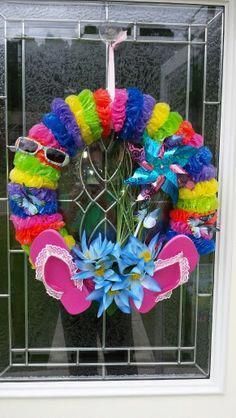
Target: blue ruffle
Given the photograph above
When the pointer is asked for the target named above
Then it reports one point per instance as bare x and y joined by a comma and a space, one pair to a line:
51, 121
197, 161
48, 209
204, 246
134, 109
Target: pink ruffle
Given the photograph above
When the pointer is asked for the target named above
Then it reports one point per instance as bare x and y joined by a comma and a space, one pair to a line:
180, 227
42, 134
33, 221
118, 109
196, 141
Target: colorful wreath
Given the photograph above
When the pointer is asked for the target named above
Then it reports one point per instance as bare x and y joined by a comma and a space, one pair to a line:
159, 252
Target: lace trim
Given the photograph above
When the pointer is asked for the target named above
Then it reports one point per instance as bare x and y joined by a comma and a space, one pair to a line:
164, 296
64, 255
184, 272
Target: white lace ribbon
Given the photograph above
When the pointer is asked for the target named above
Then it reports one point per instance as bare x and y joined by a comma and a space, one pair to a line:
184, 272
41, 260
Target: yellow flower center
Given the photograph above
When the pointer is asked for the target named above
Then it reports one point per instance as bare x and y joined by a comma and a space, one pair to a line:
100, 271
87, 254
146, 255
135, 276
113, 292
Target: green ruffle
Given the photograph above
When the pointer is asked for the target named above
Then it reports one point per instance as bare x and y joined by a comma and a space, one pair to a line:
32, 165
26, 249
90, 113
170, 127
63, 232
200, 205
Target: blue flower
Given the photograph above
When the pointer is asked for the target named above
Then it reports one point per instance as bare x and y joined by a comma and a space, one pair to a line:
97, 250
118, 276
136, 253
96, 259
118, 292
138, 280
137, 265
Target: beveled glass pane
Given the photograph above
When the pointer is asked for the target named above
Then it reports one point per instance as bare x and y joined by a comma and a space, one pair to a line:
214, 59
4, 247
157, 69
204, 333
162, 33
212, 129
196, 86
2, 58
58, 68
18, 300
165, 13
3, 170
4, 336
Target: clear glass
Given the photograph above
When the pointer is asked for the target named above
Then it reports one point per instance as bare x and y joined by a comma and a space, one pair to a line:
173, 52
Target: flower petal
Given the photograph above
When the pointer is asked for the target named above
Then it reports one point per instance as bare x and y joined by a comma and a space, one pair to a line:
82, 275
107, 300
137, 291
84, 243
121, 306
150, 284
95, 295
100, 310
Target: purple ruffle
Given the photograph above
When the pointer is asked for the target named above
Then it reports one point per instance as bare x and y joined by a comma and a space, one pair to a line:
208, 172
173, 141
148, 105
43, 194
63, 112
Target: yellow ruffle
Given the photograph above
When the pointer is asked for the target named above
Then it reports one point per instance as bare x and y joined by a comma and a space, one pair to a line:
69, 240
204, 188
29, 180
77, 109
159, 116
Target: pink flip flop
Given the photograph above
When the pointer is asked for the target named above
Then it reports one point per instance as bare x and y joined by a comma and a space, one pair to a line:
55, 267
176, 260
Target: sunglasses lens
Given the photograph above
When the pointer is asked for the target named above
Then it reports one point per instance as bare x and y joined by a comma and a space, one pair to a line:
27, 146
55, 156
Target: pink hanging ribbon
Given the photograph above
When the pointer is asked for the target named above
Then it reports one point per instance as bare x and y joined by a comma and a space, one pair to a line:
122, 36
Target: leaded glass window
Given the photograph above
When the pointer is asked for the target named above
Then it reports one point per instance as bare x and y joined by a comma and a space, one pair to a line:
173, 52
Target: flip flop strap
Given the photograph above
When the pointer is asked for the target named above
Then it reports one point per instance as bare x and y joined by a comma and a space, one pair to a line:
184, 272
41, 260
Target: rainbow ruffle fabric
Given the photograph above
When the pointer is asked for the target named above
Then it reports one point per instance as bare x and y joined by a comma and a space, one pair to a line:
79, 121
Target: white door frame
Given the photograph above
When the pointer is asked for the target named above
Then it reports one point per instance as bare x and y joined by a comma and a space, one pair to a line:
224, 272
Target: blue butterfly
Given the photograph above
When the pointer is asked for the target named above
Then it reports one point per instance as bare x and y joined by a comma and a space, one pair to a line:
28, 202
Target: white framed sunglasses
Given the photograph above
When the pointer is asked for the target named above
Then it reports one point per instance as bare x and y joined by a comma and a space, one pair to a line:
52, 155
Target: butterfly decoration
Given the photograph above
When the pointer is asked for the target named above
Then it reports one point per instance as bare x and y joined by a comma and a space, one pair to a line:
151, 218
201, 227
30, 203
